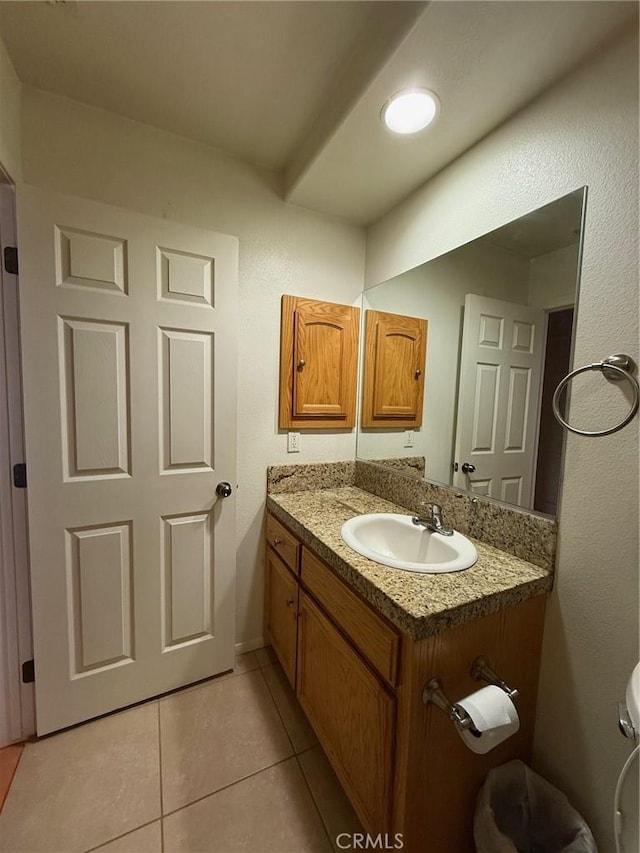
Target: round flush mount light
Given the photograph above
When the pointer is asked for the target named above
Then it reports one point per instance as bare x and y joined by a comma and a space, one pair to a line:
410, 110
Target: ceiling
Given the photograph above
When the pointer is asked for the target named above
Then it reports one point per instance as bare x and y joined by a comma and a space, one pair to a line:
298, 86
246, 77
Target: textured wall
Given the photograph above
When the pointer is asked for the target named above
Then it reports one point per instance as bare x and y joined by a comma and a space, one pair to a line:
77, 149
583, 131
9, 117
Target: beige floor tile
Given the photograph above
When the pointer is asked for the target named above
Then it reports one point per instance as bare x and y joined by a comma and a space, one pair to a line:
246, 662
217, 735
147, 839
293, 717
334, 807
266, 656
242, 663
270, 812
9, 759
81, 788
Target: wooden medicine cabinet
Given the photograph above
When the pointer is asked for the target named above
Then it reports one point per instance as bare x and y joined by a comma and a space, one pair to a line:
394, 370
318, 364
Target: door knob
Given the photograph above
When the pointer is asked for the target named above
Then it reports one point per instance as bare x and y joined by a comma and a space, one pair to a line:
468, 468
223, 490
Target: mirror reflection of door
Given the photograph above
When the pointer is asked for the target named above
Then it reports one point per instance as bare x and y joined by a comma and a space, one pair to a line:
530, 264
507, 446
500, 377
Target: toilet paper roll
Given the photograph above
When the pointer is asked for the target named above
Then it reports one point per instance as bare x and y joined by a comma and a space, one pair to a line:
494, 715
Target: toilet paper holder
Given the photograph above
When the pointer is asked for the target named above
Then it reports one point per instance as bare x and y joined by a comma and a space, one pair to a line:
434, 694
481, 670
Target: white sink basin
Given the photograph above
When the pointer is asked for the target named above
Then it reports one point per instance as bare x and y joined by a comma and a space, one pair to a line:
394, 540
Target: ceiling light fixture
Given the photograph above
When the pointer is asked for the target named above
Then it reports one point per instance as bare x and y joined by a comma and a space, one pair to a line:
410, 110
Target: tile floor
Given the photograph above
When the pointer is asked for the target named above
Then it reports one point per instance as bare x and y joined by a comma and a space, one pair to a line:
228, 765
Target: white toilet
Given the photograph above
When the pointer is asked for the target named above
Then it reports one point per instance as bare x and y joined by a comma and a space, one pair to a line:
626, 797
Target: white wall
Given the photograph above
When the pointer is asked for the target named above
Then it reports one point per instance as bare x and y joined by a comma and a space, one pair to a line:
583, 131
436, 292
9, 117
77, 149
552, 278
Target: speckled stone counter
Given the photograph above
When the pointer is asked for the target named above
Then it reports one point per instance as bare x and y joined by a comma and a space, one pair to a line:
420, 605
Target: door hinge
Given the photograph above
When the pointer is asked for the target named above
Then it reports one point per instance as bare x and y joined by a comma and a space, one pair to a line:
11, 260
20, 475
28, 672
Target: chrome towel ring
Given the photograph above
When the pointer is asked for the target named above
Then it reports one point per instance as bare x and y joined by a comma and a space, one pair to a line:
615, 367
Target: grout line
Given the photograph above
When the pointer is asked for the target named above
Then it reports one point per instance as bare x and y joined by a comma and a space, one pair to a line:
124, 835
269, 661
218, 678
284, 725
297, 755
315, 802
230, 785
161, 782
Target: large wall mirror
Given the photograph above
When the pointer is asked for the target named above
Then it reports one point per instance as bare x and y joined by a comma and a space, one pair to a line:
497, 318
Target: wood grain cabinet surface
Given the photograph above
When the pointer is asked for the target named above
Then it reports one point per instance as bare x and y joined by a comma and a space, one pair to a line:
281, 613
351, 712
318, 364
394, 370
360, 681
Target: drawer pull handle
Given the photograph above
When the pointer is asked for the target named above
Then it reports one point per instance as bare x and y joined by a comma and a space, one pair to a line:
277, 542
290, 602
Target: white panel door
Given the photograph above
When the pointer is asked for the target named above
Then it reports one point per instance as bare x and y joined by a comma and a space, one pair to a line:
129, 329
497, 420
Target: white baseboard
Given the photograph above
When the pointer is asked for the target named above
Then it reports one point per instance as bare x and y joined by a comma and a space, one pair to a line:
250, 645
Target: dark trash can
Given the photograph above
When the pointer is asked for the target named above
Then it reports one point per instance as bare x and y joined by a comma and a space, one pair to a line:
520, 812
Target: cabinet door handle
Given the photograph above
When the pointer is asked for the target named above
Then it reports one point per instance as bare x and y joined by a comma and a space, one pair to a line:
290, 602
418, 373
302, 363
277, 542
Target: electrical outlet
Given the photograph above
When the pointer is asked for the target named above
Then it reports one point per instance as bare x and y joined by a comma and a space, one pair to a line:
408, 438
293, 442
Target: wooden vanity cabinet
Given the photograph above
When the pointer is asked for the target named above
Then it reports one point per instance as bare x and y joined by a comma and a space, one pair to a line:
394, 370
318, 364
281, 613
359, 680
351, 712
284, 543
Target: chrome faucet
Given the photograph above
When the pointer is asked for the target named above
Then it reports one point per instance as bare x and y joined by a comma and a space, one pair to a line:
433, 520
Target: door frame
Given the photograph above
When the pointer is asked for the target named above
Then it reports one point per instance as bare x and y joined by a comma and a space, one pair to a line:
17, 700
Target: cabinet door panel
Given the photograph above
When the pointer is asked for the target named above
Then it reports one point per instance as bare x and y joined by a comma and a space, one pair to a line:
281, 613
394, 370
352, 713
318, 363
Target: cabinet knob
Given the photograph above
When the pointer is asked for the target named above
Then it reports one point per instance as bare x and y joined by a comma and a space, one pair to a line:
418, 373
290, 602
301, 364
277, 542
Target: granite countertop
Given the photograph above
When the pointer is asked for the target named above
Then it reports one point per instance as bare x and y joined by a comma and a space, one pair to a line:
419, 604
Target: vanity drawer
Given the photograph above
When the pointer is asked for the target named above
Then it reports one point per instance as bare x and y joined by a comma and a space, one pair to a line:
284, 543
372, 636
